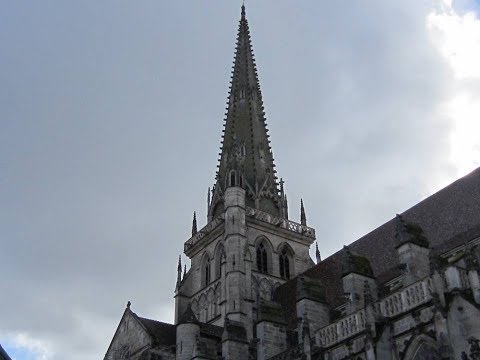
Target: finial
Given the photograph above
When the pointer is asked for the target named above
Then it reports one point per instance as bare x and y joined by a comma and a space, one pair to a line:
303, 218
128, 304
179, 271
184, 270
317, 253
194, 224
208, 197
243, 10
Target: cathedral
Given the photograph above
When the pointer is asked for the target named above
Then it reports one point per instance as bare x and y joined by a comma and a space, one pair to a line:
409, 289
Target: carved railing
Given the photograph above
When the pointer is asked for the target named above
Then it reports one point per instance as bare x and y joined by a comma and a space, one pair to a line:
399, 302
258, 215
342, 329
406, 298
203, 232
281, 222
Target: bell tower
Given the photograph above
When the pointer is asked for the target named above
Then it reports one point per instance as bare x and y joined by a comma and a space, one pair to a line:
248, 247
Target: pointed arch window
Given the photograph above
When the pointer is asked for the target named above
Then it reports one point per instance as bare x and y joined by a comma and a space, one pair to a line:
262, 259
207, 272
284, 264
219, 255
233, 176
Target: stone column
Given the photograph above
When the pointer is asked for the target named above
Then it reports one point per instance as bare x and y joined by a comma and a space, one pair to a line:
235, 244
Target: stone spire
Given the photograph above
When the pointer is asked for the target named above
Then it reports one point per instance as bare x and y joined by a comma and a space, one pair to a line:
179, 271
194, 224
303, 217
317, 253
246, 158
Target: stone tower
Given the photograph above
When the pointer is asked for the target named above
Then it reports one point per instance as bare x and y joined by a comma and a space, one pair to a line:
409, 289
248, 247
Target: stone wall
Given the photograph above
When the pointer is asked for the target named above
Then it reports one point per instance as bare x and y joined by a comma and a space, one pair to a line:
272, 339
130, 339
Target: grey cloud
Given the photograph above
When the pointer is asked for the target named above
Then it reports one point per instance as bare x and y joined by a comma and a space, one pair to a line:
110, 128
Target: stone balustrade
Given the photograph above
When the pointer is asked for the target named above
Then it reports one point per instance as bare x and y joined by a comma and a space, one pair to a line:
203, 232
399, 302
258, 215
406, 299
281, 222
341, 329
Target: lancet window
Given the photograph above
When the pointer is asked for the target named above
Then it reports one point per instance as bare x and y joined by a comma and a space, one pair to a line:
284, 262
233, 179
207, 272
262, 259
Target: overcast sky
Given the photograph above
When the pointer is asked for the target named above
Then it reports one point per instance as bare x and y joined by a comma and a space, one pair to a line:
110, 121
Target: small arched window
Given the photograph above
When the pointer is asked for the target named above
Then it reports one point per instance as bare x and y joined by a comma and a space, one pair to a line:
243, 150
207, 272
284, 264
219, 254
232, 178
262, 262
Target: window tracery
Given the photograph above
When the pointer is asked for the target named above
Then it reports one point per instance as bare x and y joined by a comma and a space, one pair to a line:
207, 271
262, 259
284, 262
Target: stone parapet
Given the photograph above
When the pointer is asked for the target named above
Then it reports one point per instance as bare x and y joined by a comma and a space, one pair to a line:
281, 222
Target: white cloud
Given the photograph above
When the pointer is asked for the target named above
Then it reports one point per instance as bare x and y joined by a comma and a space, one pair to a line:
27, 344
457, 38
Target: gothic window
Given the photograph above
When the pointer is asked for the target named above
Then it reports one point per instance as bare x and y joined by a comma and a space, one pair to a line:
219, 253
426, 352
284, 264
262, 263
232, 178
206, 271
422, 348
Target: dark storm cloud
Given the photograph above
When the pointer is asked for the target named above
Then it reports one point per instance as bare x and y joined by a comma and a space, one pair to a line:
110, 125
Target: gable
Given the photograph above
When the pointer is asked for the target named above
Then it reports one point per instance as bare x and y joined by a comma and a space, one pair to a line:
130, 338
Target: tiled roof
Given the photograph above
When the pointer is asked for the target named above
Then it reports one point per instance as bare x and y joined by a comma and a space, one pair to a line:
162, 333
447, 218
